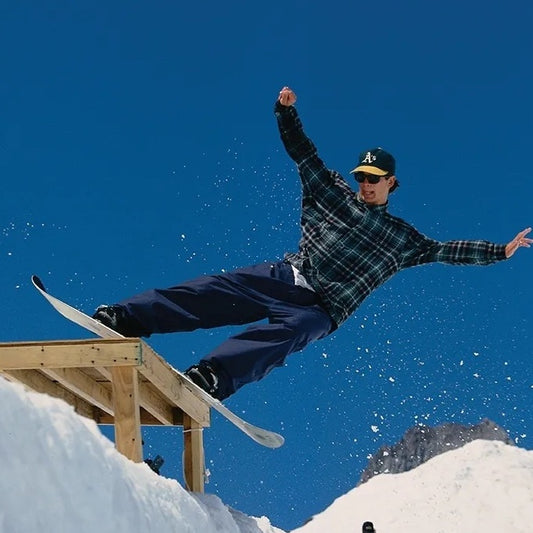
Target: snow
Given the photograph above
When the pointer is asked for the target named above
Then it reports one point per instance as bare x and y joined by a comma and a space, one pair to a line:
61, 474
485, 486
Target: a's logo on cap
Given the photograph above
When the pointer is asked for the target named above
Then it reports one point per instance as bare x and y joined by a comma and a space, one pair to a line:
369, 158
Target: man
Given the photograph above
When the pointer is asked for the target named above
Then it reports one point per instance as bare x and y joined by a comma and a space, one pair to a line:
350, 245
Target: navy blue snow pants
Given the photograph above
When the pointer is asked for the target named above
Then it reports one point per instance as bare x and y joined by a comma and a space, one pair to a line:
294, 316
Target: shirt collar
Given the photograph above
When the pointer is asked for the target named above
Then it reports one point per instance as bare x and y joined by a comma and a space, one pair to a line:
379, 208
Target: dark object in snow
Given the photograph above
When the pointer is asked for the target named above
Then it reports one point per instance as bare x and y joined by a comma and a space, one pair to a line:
155, 464
368, 527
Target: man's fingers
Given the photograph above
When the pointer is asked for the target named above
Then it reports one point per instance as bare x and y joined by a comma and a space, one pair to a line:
518, 241
522, 240
287, 96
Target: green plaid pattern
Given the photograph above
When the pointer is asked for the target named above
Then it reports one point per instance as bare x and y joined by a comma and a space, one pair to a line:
349, 248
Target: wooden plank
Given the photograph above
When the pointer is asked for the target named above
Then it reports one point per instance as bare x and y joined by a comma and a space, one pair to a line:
71, 354
34, 380
156, 406
193, 454
147, 419
169, 383
83, 386
128, 439
150, 401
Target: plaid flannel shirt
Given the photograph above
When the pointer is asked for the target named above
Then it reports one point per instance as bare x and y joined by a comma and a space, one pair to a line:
349, 248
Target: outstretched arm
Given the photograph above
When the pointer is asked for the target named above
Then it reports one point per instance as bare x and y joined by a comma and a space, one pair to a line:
426, 250
517, 242
320, 185
313, 172
298, 145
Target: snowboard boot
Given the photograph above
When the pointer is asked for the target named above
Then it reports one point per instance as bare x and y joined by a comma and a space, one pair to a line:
116, 318
203, 375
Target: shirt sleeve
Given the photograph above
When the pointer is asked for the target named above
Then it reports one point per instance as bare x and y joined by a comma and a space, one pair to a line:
301, 149
470, 252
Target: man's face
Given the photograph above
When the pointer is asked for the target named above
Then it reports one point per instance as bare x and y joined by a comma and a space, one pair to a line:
378, 193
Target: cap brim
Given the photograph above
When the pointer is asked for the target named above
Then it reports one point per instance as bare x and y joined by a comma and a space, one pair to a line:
369, 170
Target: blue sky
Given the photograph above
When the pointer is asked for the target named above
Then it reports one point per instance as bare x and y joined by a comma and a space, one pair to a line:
138, 148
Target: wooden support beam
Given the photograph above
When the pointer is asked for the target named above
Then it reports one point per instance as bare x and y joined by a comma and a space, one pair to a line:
168, 382
71, 354
83, 386
147, 419
128, 439
150, 401
34, 380
193, 457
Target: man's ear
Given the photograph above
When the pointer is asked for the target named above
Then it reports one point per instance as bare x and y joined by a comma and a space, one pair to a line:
391, 181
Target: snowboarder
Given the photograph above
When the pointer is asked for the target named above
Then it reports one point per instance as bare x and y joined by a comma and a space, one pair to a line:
350, 245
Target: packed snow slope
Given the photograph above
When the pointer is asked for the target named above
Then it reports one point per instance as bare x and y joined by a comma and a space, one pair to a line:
60, 474
485, 486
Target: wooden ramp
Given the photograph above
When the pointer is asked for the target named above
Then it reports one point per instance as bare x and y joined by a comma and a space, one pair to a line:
115, 381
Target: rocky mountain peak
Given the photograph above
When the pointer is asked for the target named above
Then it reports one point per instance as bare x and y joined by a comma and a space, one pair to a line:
421, 443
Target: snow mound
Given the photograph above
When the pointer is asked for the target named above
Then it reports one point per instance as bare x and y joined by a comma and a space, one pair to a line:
485, 486
61, 474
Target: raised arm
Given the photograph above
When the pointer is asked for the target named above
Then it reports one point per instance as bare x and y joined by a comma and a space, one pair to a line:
299, 147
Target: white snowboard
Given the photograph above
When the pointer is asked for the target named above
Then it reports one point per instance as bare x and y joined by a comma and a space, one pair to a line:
259, 435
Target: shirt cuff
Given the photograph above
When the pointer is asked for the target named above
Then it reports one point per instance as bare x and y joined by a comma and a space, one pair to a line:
280, 108
499, 252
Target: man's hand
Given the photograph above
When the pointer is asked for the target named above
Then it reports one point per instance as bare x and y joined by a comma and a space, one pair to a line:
517, 242
287, 97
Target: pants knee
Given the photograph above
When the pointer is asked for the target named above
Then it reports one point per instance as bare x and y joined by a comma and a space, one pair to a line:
309, 327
